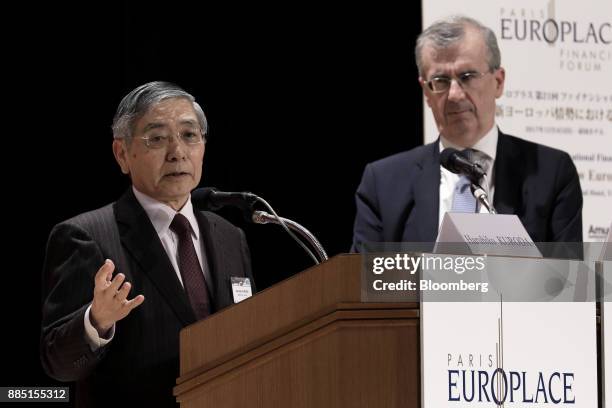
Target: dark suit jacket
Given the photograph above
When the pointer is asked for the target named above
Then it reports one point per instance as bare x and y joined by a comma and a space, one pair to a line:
140, 365
398, 198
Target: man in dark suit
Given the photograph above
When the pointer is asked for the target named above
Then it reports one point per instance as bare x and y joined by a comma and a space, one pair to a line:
403, 197
177, 261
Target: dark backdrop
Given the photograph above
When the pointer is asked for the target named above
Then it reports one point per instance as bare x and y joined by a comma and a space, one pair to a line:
298, 101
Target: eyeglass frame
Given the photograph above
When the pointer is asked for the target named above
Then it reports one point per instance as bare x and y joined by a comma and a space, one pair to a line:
472, 74
147, 141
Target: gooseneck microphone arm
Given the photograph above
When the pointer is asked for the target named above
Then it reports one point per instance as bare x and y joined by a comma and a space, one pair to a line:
482, 196
262, 217
282, 223
212, 199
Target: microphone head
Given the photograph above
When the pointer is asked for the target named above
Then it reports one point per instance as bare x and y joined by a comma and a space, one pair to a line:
211, 199
457, 162
201, 198
448, 158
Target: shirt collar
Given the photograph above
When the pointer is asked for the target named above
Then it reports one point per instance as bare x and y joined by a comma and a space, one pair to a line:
487, 144
161, 215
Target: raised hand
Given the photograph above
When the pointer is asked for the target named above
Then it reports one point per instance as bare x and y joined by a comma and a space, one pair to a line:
110, 303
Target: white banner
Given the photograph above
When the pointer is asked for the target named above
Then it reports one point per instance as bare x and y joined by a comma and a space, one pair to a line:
519, 354
558, 91
528, 339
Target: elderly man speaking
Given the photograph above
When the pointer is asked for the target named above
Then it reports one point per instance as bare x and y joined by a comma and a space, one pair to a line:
120, 282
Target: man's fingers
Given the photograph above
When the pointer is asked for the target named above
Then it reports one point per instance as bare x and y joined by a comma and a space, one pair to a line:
116, 283
110, 302
137, 301
123, 292
104, 274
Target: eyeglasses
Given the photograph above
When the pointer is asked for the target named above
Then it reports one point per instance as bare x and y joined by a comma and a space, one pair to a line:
189, 138
466, 80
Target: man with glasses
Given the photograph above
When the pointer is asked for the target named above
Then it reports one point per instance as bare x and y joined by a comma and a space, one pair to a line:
120, 282
404, 197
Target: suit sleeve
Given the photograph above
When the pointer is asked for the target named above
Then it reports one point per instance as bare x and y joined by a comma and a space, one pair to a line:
72, 259
566, 219
368, 223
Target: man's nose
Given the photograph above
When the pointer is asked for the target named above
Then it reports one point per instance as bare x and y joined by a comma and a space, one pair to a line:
176, 149
455, 92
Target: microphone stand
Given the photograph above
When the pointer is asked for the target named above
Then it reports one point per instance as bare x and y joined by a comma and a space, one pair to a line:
262, 217
481, 195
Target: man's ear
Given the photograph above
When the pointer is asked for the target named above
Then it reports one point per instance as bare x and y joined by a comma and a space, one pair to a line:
500, 79
121, 154
425, 91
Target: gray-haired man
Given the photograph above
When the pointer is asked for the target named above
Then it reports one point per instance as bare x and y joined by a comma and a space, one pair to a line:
404, 197
121, 281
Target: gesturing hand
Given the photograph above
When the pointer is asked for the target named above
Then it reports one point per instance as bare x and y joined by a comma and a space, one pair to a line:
110, 303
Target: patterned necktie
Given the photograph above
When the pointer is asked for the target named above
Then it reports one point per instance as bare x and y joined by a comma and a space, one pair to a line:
189, 266
463, 199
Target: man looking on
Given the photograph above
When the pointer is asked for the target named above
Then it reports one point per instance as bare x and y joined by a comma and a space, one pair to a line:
404, 197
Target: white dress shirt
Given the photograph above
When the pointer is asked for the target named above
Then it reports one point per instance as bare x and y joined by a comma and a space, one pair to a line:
448, 180
161, 216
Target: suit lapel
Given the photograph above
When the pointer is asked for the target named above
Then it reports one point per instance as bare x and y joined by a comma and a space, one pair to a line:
142, 243
215, 255
508, 177
427, 194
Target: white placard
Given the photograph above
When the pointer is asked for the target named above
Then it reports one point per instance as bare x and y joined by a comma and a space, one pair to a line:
558, 92
519, 353
493, 234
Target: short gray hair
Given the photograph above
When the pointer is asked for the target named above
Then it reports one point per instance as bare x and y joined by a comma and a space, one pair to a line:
446, 32
140, 100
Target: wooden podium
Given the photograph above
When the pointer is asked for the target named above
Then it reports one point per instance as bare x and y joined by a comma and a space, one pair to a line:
308, 341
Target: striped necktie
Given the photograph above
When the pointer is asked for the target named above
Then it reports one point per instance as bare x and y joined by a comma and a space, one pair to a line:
463, 199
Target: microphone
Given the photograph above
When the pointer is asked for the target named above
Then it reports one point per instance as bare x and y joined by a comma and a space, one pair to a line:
209, 198
455, 161
212, 199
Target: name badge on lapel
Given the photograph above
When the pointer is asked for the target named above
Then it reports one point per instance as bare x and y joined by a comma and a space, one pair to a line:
241, 288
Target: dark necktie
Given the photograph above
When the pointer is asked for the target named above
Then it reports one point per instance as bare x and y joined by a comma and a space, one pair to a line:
189, 266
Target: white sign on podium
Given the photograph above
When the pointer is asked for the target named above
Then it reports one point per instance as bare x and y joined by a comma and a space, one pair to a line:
511, 353
530, 340
493, 234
